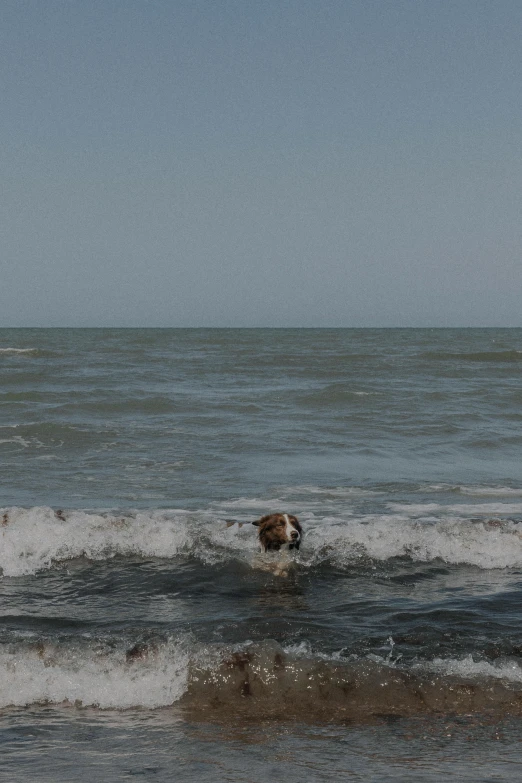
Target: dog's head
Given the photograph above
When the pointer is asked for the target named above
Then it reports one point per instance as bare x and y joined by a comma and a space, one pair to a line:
279, 530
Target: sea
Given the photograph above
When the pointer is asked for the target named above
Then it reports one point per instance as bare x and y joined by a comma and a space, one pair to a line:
143, 636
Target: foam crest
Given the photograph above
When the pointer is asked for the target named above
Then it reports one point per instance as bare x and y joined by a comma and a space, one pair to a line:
256, 680
33, 539
55, 674
36, 538
458, 509
508, 670
24, 442
487, 544
491, 491
18, 350
467, 667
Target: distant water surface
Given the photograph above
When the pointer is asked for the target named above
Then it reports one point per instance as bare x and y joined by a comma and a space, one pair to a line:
142, 636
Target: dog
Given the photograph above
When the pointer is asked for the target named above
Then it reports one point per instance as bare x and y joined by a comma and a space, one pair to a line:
279, 532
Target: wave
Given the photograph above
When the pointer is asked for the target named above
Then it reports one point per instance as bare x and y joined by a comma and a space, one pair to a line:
253, 680
335, 393
265, 681
18, 440
486, 543
476, 491
332, 492
50, 434
462, 509
507, 670
36, 538
33, 539
18, 350
100, 675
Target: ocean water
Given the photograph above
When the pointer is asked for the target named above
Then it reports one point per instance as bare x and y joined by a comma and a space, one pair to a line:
143, 636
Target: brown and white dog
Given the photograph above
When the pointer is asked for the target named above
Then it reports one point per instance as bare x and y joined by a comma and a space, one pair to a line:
279, 531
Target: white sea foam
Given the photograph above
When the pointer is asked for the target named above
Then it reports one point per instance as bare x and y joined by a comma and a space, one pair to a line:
305, 649
465, 668
469, 668
335, 492
18, 350
25, 442
461, 509
92, 677
381, 537
492, 491
92, 673
476, 491
33, 539
248, 504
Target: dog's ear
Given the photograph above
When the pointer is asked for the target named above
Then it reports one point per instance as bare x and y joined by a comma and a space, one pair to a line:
259, 522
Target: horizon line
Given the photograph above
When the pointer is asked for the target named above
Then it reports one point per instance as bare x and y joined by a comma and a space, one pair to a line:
264, 328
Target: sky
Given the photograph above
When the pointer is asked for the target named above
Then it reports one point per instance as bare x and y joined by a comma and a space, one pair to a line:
285, 163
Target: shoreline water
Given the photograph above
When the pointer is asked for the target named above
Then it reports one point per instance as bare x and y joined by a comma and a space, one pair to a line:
393, 648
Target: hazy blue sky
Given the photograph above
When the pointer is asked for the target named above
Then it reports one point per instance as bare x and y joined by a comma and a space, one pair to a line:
274, 163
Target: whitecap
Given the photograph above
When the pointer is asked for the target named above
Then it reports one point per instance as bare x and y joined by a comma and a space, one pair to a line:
36, 538
468, 667
55, 674
487, 544
460, 509
18, 350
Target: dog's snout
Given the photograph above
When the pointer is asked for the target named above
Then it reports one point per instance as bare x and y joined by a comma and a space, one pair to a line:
294, 534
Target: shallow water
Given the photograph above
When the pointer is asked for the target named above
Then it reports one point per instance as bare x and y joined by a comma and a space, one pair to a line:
144, 633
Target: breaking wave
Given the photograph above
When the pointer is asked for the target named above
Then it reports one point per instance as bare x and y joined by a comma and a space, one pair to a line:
36, 538
96, 675
261, 680
264, 680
